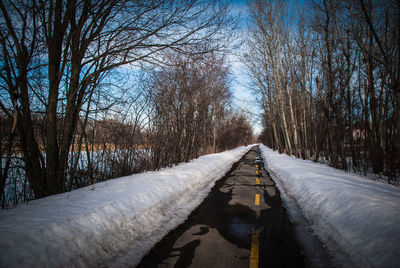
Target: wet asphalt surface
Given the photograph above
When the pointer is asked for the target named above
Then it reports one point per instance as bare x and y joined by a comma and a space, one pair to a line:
219, 232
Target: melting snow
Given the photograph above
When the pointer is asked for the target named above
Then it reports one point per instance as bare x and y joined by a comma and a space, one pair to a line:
356, 218
97, 224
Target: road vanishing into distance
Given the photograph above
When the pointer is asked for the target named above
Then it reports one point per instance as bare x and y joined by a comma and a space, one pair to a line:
241, 223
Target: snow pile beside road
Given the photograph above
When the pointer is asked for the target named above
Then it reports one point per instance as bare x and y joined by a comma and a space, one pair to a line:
94, 225
356, 216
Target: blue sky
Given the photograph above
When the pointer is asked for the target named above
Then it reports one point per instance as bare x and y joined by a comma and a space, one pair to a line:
243, 97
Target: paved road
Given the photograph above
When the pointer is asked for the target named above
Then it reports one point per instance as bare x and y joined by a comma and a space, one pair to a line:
240, 224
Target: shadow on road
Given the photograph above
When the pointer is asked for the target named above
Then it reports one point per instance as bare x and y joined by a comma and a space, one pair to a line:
234, 223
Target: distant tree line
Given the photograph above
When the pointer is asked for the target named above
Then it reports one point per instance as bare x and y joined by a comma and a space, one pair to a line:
191, 115
93, 90
327, 77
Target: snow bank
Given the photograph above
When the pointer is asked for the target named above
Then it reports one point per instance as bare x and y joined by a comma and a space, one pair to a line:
94, 225
358, 219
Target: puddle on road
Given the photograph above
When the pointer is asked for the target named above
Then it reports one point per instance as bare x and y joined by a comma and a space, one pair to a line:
241, 229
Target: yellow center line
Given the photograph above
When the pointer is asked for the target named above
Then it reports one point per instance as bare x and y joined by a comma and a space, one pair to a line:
257, 181
257, 171
254, 250
257, 200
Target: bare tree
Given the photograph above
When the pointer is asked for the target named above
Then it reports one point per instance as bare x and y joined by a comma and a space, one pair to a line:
72, 46
189, 100
269, 67
375, 28
234, 131
329, 84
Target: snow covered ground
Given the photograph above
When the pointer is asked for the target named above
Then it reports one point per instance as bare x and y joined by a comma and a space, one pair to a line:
356, 218
97, 224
